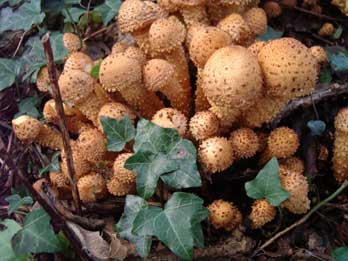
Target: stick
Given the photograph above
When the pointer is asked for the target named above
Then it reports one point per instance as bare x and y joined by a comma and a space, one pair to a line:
52, 72
303, 219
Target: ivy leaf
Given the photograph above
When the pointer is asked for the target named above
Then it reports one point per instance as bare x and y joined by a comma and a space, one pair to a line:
174, 225
270, 34
15, 201
27, 15
28, 106
325, 76
11, 2
267, 185
54, 165
338, 33
124, 226
8, 68
73, 13
317, 127
118, 132
108, 10
38, 231
95, 70
162, 153
338, 58
12, 227
340, 254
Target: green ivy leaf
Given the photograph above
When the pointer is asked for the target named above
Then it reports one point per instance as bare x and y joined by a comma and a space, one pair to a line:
108, 10
23, 18
340, 254
54, 165
16, 201
11, 2
338, 33
8, 71
73, 13
270, 34
267, 185
12, 227
176, 225
95, 70
338, 58
38, 231
317, 127
28, 106
162, 153
325, 76
118, 132
124, 226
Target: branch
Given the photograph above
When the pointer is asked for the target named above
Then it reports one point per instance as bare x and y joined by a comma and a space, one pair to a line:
52, 72
303, 219
305, 102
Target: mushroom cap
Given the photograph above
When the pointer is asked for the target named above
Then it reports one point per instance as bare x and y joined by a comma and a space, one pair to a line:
171, 118
205, 41
43, 80
191, 30
61, 185
49, 111
168, 5
135, 53
232, 77
283, 142
119, 72
293, 164
255, 47
166, 34
216, 154
92, 144
72, 42
297, 185
135, 15
119, 47
91, 187
319, 53
81, 165
204, 125
75, 86
237, 28
256, 18
158, 74
116, 111
327, 30
289, 68
245, 143
79, 61
26, 128
223, 214
272, 9
119, 189
341, 120
120, 172
189, 3
261, 213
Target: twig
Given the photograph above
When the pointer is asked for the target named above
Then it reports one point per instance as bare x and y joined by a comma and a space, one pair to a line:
52, 72
102, 30
19, 44
305, 102
303, 219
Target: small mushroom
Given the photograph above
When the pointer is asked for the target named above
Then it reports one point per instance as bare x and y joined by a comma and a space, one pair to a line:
91, 187
327, 30
43, 80
72, 42
256, 18
245, 143
272, 9
61, 185
91, 140
319, 53
293, 164
204, 125
283, 142
255, 47
81, 165
340, 155
171, 118
261, 213
192, 11
79, 61
223, 214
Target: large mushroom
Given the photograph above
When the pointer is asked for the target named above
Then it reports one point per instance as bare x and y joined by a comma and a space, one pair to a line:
193, 11
340, 156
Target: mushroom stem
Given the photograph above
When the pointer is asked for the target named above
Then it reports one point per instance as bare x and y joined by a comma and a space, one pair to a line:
106, 97
90, 108
142, 39
201, 101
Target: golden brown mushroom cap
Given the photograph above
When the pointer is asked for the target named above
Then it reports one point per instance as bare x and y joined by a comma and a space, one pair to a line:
188, 3
256, 47
61, 185
341, 120
120, 172
319, 53
223, 214
81, 165
327, 30
293, 164
119, 72
261, 213
166, 34
157, 74
75, 86
91, 187
204, 125
245, 143
340, 164
168, 5
43, 80
135, 53
119, 47
205, 41
26, 128
171, 118
92, 144
116, 111
272, 9
216, 154
119, 189
79, 61
135, 15
72, 42
289, 68
283, 142
256, 18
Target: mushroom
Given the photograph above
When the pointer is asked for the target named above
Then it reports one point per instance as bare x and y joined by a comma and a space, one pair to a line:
340, 154
255, 47
283, 142
81, 165
91, 187
256, 18
135, 17
61, 185
327, 30
135, 53
319, 53
29, 129
106, 97
261, 213
72, 42
216, 154
192, 11
123, 180
171, 118
43, 80
232, 82
293, 164
297, 186
76, 88
79, 61
168, 5
237, 28
116, 111
159, 75
91, 140
342, 5
223, 214
204, 125
123, 74
272, 9
245, 143
119, 47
